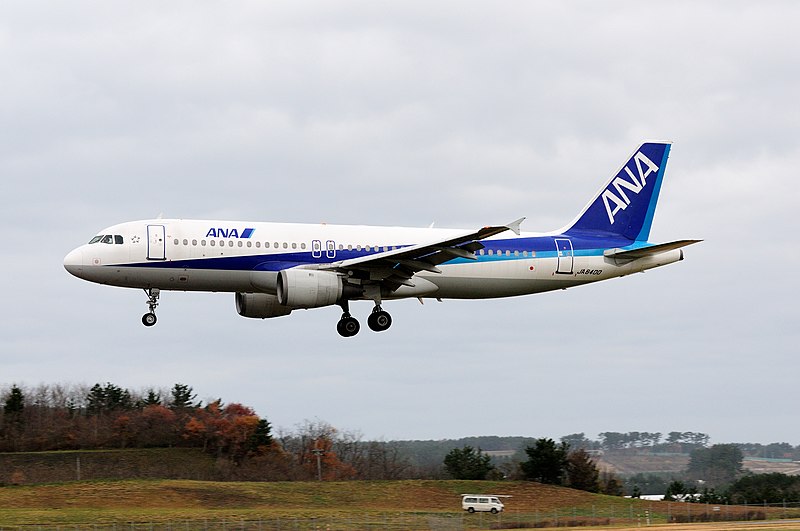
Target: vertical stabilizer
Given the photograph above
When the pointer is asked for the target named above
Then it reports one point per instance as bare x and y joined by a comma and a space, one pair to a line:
626, 204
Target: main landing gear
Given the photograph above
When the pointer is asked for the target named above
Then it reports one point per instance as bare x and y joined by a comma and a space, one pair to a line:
149, 319
348, 326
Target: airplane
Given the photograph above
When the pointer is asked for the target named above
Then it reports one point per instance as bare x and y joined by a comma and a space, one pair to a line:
276, 268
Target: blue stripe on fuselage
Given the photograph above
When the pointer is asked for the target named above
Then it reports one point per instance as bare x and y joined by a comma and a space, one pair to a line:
584, 243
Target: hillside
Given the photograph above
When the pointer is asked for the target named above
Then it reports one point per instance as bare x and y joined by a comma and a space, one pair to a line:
338, 504
628, 463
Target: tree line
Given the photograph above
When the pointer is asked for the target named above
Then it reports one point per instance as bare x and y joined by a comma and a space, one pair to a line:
673, 442
547, 462
107, 416
715, 475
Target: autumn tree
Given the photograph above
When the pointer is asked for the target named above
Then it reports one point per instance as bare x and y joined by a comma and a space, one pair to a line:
467, 463
314, 438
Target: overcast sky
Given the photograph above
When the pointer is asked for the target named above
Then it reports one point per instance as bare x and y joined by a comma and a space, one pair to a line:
407, 113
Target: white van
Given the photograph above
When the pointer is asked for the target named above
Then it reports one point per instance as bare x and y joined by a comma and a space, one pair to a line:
481, 502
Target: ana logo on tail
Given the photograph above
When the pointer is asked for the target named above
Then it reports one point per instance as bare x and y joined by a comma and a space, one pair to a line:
620, 200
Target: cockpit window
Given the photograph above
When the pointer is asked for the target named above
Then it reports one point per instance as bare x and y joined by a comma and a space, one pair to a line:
96, 239
107, 239
117, 239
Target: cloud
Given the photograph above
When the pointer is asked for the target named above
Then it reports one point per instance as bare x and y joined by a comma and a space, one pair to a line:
459, 113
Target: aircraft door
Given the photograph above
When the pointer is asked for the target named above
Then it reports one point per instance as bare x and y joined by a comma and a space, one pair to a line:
156, 242
565, 256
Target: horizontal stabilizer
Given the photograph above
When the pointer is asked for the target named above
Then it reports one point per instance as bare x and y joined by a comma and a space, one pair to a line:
633, 254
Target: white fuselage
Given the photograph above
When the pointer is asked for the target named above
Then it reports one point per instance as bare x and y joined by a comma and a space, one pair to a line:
224, 256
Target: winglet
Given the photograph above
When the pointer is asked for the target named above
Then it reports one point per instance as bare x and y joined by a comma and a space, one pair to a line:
514, 225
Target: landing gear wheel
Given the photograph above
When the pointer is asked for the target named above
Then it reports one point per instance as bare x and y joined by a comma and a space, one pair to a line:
149, 319
379, 321
348, 326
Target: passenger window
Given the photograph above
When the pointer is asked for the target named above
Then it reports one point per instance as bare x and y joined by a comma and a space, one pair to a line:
176, 241
258, 244
294, 246
203, 243
185, 241
240, 243
194, 243
303, 246
285, 245
118, 239
249, 244
212, 242
230, 243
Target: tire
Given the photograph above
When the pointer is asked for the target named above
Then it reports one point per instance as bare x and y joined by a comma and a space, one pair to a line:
348, 326
379, 321
494, 510
471, 510
149, 319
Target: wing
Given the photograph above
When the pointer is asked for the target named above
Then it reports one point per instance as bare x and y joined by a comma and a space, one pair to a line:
395, 268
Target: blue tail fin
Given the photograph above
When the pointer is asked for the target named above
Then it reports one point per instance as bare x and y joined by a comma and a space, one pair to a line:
626, 204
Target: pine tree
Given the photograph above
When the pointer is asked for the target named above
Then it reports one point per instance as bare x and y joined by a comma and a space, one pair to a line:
183, 397
547, 462
467, 463
582, 473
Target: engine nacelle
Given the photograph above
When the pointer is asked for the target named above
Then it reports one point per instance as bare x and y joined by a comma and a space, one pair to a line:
260, 306
308, 288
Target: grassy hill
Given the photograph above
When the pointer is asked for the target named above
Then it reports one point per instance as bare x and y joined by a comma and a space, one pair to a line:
115, 502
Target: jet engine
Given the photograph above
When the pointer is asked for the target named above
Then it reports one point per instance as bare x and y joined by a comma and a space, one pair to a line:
308, 288
260, 306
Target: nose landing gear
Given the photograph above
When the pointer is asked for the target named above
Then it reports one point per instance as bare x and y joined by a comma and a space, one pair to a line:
149, 319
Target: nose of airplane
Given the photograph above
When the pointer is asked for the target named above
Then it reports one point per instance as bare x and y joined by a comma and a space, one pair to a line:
73, 262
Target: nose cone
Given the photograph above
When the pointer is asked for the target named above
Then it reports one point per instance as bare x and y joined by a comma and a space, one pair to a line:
73, 262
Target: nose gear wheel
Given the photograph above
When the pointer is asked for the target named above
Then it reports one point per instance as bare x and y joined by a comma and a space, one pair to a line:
149, 319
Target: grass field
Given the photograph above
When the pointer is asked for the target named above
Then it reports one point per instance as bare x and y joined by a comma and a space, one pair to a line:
163, 501
340, 505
